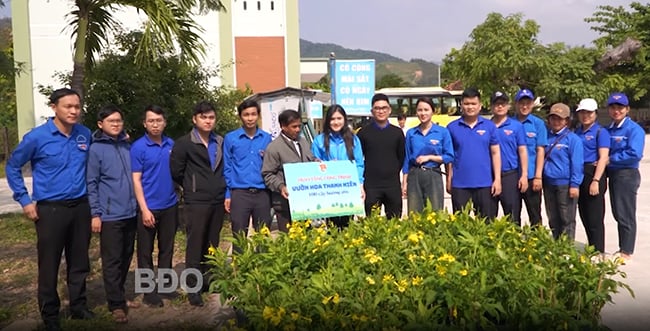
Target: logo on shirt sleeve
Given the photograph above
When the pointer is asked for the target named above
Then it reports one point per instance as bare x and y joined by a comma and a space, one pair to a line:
531, 134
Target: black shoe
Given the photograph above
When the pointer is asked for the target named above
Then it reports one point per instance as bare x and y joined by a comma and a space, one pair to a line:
195, 299
152, 300
52, 325
83, 314
169, 296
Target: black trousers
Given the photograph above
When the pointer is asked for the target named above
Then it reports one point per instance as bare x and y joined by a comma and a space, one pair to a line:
592, 208
165, 229
204, 223
63, 226
533, 201
340, 221
246, 204
117, 242
484, 202
390, 197
510, 197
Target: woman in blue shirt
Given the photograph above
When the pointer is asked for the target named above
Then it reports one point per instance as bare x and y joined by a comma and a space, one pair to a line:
338, 142
428, 146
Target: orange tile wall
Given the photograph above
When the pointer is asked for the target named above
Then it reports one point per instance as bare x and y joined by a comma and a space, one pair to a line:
260, 63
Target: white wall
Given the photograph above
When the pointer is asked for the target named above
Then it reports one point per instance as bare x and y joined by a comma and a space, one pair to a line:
265, 22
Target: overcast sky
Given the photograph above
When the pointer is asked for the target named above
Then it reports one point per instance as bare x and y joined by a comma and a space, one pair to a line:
428, 29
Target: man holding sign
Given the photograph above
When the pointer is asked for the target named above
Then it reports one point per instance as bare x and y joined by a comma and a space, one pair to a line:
288, 147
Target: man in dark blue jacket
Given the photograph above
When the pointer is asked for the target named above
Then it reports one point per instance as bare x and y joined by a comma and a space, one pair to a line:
112, 205
196, 165
57, 151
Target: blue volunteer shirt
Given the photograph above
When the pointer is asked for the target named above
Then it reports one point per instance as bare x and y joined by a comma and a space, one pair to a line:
243, 157
627, 143
338, 151
510, 135
58, 164
472, 164
212, 147
565, 164
152, 160
536, 136
437, 141
593, 138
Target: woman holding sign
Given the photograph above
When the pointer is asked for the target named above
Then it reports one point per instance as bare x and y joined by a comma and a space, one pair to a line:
338, 142
428, 146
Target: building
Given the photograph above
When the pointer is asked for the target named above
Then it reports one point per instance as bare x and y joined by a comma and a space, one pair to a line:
254, 44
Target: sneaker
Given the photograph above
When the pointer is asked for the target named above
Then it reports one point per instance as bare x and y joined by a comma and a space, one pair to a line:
152, 300
195, 299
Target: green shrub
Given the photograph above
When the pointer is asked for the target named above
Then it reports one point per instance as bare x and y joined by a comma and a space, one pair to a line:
434, 270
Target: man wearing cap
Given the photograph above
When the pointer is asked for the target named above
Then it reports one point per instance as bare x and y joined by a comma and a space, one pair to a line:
514, 157
474, 139
563, 163
536, 140
591, 202
626, 151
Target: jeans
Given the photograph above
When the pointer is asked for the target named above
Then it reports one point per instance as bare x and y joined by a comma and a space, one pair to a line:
561, 210
623, 188
424, 185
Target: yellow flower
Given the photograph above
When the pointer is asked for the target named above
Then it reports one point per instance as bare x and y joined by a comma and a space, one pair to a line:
295, 316
447, 257
583, 259
401, 285
412, 257
336, 299
417, 280
452, 217
441, 270
357, 242
374, 259
265, 231
413, 237
211, 250
387, 278
463, 272
326, 300
454, 312
267, 313
370, 280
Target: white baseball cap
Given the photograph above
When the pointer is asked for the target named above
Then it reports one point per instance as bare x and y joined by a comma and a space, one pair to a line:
588, 104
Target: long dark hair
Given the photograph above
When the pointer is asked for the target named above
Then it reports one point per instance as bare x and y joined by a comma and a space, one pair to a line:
346, 133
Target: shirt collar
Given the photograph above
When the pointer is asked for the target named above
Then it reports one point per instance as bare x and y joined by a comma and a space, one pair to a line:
197, 138
54, 129
242, 132
164, 140
379, 126
611, 126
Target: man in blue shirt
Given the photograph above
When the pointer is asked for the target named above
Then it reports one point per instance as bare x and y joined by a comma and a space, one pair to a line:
536, 136
514, 157
59, 207
154, 190
243, 155
626, 151
196, 165
476, 169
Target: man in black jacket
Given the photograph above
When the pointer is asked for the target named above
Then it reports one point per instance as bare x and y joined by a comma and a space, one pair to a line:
196, 165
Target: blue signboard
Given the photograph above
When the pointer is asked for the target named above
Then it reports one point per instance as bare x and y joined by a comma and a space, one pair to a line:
353, 85
323, 189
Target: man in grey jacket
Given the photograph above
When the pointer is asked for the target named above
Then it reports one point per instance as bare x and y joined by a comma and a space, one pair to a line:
288, 147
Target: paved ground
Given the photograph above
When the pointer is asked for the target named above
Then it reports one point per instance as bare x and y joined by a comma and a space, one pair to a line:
626, 313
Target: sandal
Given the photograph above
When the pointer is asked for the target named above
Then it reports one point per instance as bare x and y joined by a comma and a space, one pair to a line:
119, 316
132, 304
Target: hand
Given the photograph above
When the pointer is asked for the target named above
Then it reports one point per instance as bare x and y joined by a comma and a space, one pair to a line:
226, 205
537, 184
594, 188
363, 193
421, 159
496, 188
148, 220
523, 184
96, 224
284, 192
30, 212
448, 186
574, 192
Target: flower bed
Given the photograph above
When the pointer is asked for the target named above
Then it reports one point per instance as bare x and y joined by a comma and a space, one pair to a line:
434, 270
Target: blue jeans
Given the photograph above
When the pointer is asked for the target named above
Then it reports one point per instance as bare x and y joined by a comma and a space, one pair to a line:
560, 210
623, 188
424, 185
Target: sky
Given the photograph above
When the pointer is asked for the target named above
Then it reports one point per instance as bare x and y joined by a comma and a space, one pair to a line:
429, 29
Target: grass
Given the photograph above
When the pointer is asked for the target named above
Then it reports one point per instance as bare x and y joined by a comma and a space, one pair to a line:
18, 284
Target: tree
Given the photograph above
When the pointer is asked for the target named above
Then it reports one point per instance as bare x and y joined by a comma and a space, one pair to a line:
169, 24
8, 70
390, 80
168, 82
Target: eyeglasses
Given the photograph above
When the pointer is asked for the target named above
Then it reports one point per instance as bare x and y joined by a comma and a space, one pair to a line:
382, 108
114, 121
155, 121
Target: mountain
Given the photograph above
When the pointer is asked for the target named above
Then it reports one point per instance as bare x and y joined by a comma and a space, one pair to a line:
416, 72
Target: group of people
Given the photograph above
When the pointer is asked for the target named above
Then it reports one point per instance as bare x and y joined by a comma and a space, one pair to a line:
100, 182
